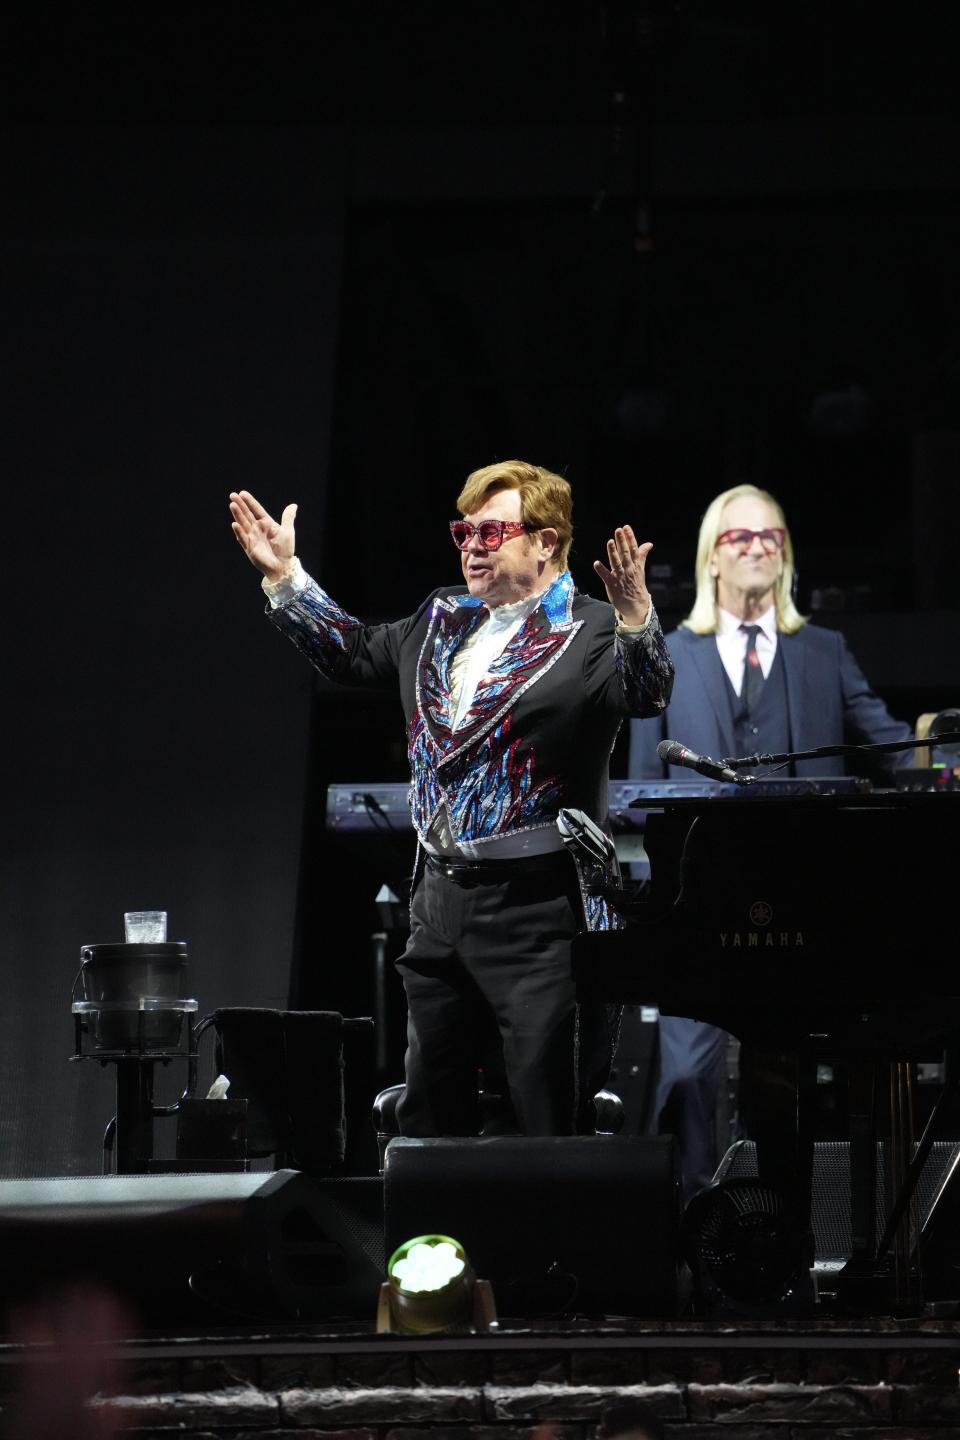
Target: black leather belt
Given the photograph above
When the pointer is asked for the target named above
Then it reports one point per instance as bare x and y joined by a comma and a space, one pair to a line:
474, 872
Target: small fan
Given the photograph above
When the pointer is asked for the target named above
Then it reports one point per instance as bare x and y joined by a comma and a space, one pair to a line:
746, 1249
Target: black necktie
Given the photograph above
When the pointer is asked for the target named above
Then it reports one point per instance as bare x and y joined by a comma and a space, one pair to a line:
752, 674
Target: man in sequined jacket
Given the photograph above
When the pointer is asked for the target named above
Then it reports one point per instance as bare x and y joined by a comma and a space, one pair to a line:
514, 686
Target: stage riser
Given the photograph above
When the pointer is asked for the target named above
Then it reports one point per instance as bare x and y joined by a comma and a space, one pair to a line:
892, 1382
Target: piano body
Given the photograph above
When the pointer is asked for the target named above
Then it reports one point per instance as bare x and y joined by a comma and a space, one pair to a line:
818, 917
816, 923
796, 911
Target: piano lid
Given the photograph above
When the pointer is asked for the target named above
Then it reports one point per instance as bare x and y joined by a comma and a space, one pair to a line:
763, 916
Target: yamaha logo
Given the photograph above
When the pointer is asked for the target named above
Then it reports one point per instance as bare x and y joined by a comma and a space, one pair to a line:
760, 913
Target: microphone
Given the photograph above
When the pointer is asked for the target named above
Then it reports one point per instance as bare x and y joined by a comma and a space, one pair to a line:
671, 752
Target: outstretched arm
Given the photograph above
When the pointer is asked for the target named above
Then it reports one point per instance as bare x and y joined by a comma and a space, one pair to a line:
624, 578
339, 645
267, 544
641, 678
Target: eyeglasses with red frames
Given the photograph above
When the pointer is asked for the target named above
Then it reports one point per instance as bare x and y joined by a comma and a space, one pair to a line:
770, 540
490, 533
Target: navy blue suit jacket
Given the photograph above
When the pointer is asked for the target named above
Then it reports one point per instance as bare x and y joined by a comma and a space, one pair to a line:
829, 701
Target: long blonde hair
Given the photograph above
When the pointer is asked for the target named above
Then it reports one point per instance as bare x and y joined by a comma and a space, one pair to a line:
702, 619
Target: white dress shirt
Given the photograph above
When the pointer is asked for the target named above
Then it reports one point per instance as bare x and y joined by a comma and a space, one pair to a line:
732, 643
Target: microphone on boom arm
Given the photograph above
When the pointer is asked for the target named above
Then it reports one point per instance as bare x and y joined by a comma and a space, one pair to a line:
671, 752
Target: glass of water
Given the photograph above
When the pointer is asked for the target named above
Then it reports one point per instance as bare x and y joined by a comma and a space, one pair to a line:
145, 927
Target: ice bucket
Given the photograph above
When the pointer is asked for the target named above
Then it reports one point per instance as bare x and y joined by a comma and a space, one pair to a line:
132, 994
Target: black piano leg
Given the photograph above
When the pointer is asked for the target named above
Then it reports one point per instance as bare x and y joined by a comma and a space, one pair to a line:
880, 1279
863, 1162
860, 1284
806, 1102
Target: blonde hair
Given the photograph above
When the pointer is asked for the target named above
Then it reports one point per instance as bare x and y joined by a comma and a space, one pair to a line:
702, 619
545, 498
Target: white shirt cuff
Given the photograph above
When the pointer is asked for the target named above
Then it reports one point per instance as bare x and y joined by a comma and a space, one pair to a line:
624, 629
279, 592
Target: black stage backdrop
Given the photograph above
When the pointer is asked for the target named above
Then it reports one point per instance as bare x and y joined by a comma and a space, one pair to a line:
762, 331
169, 322
659, 247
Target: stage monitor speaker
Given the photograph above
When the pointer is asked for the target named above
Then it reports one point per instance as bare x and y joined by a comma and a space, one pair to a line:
830, 1196
198, 1248
565, 1225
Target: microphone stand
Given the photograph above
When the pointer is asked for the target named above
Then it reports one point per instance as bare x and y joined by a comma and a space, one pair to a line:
888, 747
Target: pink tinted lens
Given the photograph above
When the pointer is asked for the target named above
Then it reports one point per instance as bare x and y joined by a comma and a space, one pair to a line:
460, 531
490, 533
770, 540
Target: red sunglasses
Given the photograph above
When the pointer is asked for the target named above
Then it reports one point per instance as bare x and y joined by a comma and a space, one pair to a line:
490, 533
770, 540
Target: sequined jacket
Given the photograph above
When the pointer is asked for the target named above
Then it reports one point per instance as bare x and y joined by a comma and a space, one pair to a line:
538, 735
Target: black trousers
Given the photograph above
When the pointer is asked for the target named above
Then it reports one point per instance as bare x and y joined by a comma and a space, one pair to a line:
488, 983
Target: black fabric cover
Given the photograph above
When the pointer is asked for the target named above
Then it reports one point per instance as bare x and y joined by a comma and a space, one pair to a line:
289, 1065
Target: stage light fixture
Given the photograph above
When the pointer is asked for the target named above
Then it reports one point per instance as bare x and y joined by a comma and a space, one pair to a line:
430, 1286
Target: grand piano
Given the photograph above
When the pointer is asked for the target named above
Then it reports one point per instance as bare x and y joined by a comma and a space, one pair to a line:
815, 913
812, 923
813, 918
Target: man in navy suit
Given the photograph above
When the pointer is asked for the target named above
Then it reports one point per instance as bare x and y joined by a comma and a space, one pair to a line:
752, 677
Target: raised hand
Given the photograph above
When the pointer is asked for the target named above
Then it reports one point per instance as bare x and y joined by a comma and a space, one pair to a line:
625, 579
267, 545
